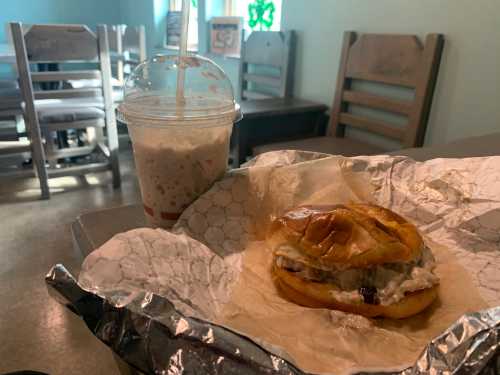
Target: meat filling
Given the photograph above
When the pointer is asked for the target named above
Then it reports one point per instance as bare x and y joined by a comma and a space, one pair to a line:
385, 284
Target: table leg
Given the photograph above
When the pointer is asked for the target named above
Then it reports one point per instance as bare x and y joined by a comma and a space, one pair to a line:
240, 144
321, 124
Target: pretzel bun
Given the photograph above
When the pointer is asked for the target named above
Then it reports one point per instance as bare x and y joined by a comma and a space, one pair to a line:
355, 235
357, 258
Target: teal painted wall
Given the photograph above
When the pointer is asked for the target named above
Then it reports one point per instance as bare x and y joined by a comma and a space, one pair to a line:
231, 67
140, 12
466, 100
89, 12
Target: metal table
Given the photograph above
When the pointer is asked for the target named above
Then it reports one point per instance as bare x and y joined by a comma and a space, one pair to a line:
91, 230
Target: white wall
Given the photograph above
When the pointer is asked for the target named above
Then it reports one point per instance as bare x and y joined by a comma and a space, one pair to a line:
466, 100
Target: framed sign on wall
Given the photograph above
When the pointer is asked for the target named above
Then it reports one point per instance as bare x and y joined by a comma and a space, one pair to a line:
226, 35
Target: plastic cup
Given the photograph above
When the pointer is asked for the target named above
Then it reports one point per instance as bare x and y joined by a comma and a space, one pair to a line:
176, 164
179, 150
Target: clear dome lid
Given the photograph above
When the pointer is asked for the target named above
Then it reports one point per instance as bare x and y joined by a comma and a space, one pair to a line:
150, 92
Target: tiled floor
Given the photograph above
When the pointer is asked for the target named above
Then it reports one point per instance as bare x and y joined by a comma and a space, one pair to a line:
37, 333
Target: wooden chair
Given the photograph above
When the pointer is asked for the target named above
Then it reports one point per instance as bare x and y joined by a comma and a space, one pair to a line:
134, 48
394, 60
14, 148
115, 37
266, 75
11, 116
127, 45
266, 65
47, 111
11, 110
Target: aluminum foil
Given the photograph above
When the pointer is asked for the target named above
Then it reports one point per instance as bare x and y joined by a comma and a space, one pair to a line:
153, 337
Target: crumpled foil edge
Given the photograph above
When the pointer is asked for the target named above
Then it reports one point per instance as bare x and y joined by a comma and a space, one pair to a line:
151, 336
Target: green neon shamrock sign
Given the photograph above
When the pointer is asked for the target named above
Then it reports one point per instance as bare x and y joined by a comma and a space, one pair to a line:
195, 3
261, 13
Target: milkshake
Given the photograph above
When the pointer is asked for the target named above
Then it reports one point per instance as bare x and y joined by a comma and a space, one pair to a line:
179, 152
175, 169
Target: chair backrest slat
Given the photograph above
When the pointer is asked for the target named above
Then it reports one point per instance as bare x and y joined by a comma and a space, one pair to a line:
373, 126
69, 93
267, 60
403, 107
263, 79
73, 75
396, 60
256, 95
58, 43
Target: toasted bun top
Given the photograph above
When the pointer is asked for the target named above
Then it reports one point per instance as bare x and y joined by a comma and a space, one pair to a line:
353, 235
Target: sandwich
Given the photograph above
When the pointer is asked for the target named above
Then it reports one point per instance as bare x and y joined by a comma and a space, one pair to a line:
358, 258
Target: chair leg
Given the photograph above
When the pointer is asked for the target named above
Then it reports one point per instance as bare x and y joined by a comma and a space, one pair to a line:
112, 135
115, 169
38, 156
18, 119
112, 143
107, 90
41, 172
50, 148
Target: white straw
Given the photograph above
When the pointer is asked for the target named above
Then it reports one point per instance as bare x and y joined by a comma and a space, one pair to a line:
181, 73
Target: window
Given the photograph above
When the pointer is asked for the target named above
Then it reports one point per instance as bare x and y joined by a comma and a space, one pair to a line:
176, 5
257, 14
